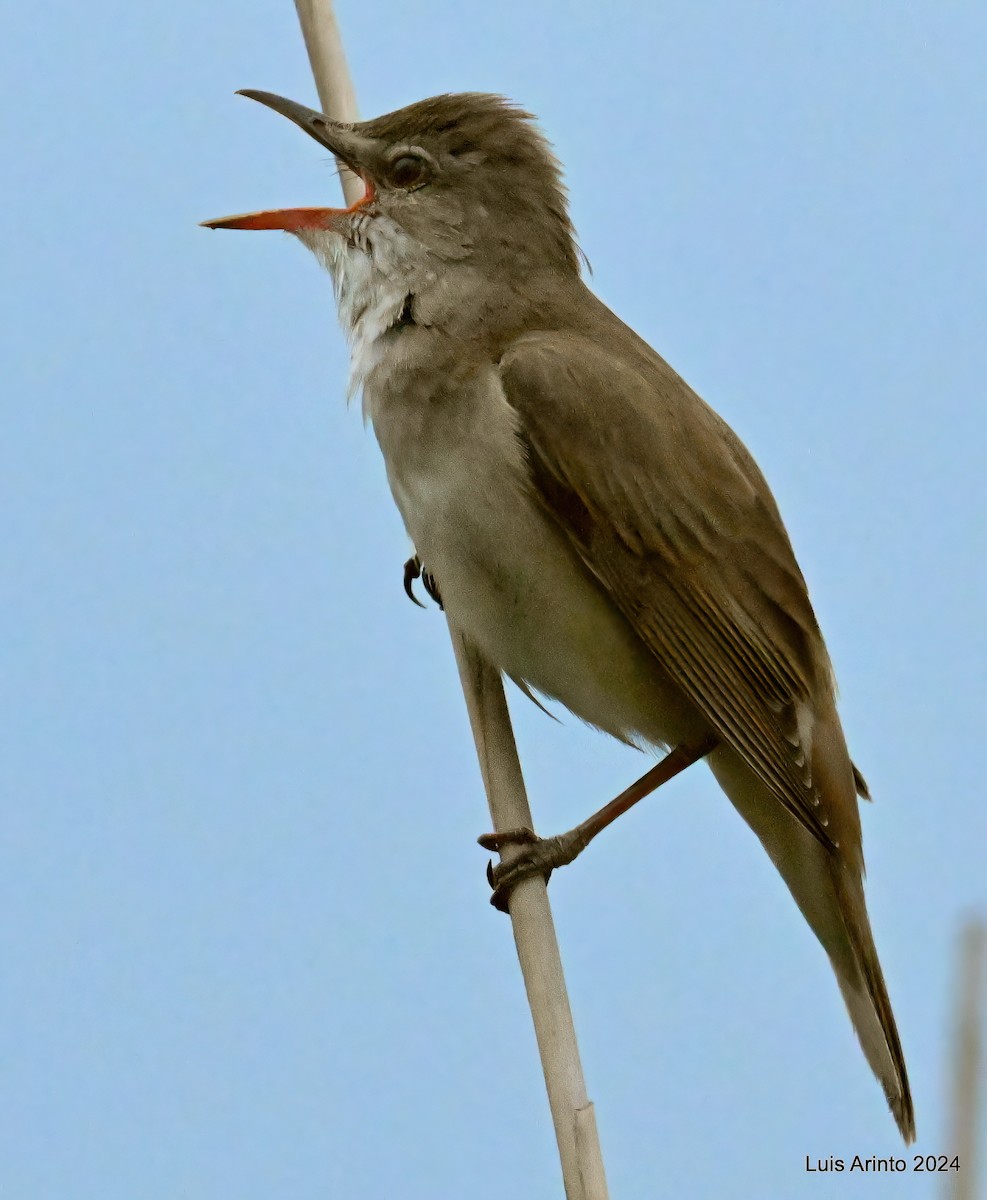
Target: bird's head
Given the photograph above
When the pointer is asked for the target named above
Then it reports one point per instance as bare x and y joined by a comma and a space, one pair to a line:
460, 178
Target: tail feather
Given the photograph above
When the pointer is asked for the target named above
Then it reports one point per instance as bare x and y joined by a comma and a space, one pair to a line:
866, 997
828, 888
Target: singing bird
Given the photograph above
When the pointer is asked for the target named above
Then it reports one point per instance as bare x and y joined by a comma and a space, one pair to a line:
593, 527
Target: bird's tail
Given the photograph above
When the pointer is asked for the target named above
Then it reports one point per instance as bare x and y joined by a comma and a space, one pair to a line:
861, 981
828, 888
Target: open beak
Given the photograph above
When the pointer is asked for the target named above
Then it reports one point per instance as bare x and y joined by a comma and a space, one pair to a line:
346, 144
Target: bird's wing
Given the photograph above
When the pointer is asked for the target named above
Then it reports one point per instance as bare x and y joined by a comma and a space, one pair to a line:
669, 511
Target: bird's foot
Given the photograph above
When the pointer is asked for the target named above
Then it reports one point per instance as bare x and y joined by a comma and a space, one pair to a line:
413, 570
535, 856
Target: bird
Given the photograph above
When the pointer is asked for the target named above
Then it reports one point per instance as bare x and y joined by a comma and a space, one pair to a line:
594, 528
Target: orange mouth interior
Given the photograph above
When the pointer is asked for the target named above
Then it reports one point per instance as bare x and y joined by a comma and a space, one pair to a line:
293, 219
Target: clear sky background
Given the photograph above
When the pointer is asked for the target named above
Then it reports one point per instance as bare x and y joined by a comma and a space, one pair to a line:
245, 946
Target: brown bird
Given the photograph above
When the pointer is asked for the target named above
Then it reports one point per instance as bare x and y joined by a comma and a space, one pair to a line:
593, 526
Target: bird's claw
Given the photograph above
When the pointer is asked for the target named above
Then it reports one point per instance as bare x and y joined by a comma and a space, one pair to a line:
413, 570
535, 856
428, 579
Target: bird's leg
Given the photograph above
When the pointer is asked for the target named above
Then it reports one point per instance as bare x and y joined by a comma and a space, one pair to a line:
413, 570
539, 856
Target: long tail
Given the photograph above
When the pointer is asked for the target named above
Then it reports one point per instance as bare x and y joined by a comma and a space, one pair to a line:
869, 1005
829, 891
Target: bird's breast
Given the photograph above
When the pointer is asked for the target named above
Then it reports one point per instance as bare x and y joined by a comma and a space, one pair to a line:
508, 576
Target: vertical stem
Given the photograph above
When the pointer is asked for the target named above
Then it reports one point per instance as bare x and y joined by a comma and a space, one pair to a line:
534, 931
965, 1123
332, 76
531, 916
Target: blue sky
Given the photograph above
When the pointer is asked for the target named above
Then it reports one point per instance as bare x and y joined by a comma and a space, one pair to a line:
245, 945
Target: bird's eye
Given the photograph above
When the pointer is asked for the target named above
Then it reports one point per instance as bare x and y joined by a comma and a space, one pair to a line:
407, 171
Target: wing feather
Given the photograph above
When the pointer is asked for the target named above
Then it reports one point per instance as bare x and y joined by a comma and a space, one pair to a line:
674, 518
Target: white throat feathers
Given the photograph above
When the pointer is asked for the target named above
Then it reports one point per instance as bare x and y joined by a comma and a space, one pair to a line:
373, 269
